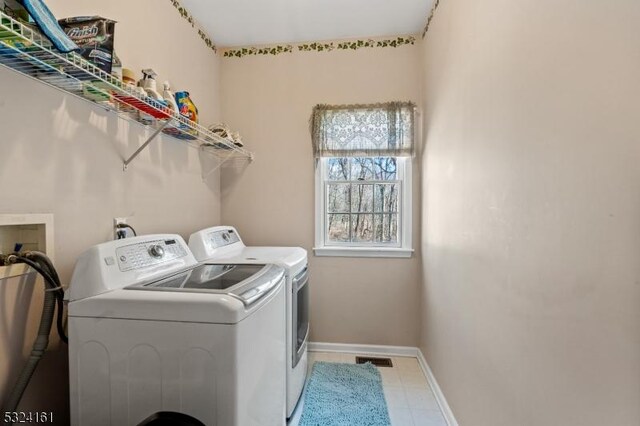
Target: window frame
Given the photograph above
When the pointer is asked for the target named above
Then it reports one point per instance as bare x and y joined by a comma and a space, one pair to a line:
402, 248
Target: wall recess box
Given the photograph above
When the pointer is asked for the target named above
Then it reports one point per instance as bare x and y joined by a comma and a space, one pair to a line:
33, 231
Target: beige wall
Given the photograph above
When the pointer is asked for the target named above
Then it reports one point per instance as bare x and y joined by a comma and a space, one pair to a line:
271, 202
63, 156
531, 189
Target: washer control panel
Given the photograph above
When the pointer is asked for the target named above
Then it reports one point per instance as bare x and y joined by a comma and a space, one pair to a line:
223, 238
148, 253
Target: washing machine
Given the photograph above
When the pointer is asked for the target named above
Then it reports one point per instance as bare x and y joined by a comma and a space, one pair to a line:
152, 331
224, 244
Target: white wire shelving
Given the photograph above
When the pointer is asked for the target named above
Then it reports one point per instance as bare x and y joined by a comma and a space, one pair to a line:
26, 51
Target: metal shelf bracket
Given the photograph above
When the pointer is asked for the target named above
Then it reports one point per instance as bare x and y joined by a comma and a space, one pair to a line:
144, 145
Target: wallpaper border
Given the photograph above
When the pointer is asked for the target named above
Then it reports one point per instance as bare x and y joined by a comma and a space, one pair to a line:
431, 15
186, 15
318, 46
315, 46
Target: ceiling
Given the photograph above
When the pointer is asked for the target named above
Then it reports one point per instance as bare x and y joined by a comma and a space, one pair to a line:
255, 22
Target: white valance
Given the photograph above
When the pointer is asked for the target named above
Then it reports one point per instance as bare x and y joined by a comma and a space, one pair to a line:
376, 130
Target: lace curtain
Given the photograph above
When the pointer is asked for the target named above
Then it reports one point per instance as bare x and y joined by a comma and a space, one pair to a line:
363, 130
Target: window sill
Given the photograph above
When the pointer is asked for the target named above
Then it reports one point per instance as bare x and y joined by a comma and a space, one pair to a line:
393, 252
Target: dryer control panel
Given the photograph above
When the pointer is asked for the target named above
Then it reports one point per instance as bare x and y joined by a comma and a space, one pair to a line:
148, 253
223, 238
216, 242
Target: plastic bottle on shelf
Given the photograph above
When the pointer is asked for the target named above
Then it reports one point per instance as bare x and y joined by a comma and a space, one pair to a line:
169, 97
129, 83
144, 117
128, 77
148, 83
187, 109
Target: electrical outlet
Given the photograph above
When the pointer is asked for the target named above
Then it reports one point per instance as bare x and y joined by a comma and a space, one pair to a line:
117, 221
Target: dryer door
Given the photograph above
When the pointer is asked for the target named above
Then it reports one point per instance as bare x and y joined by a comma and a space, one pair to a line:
300, 313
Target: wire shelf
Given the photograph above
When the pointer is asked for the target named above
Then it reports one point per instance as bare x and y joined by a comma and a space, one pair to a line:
25, 50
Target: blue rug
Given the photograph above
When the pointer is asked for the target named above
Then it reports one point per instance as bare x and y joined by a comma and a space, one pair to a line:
344, 395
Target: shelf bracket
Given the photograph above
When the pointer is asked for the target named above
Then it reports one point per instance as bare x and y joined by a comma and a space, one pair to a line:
144, 145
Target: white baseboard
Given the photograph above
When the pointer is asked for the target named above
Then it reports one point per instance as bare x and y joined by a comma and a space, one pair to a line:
364, 349
437, 392
407, 351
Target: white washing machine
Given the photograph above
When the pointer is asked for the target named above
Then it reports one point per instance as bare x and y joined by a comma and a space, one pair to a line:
152, 331
223, 244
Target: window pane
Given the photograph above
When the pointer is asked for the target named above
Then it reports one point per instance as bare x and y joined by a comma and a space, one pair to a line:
386, 228
338, 168
361, 168
338, 198
362, 228
385, 168
361, 198
362, 212
386, 197
338, 228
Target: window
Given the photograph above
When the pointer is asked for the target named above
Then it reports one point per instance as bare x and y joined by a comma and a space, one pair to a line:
363, 180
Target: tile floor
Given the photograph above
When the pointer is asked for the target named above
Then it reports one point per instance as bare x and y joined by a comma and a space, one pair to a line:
409, 397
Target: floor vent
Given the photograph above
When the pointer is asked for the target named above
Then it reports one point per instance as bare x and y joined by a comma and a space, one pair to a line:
378, 362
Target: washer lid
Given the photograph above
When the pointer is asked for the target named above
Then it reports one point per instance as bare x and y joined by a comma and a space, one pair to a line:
246, 282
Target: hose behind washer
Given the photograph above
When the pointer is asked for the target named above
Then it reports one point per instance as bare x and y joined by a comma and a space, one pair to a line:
37, 351
43, 259
42, 265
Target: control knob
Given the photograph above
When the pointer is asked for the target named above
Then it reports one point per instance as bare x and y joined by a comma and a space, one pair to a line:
156, 251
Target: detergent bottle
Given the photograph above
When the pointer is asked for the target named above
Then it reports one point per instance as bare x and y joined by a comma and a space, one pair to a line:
169, 97
187, 109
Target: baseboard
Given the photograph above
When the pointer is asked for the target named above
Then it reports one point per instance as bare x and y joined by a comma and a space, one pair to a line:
364, 349
407, 351
437, 392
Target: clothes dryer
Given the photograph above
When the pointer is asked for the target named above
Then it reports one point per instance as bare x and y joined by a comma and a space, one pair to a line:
224, 244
